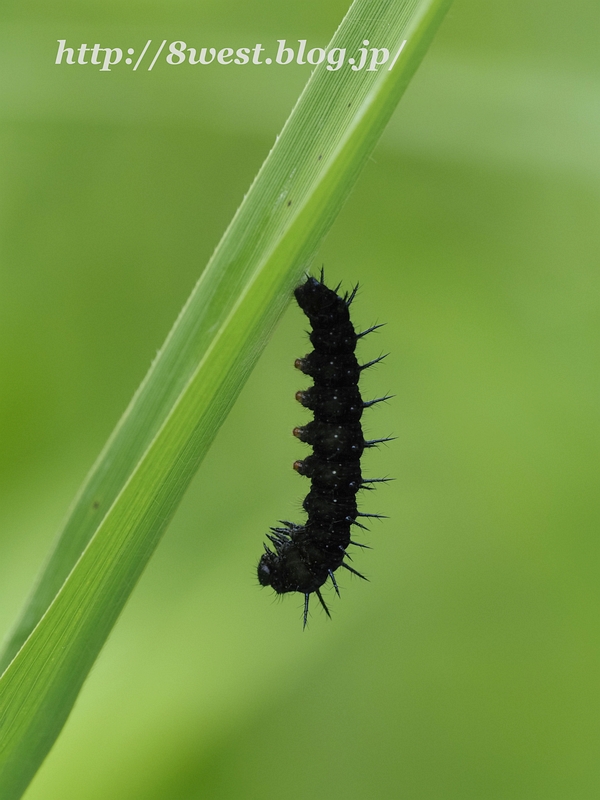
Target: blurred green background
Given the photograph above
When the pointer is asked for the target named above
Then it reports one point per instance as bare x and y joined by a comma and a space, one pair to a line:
469, 666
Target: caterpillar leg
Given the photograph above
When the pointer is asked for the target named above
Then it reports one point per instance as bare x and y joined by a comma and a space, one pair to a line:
320, 596
333, 580
353, 571
306, 600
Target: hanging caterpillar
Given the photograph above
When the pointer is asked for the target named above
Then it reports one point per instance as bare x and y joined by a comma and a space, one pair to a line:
306, 556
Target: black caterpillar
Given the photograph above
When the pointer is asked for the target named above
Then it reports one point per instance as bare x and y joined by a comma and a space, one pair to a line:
305, 556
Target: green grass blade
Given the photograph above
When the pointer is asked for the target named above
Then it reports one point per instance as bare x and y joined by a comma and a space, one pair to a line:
139, 478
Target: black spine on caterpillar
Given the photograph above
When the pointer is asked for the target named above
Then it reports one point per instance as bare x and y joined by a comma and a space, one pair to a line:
305, 556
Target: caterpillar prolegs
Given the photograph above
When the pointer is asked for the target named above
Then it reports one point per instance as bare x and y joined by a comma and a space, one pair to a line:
305, 556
